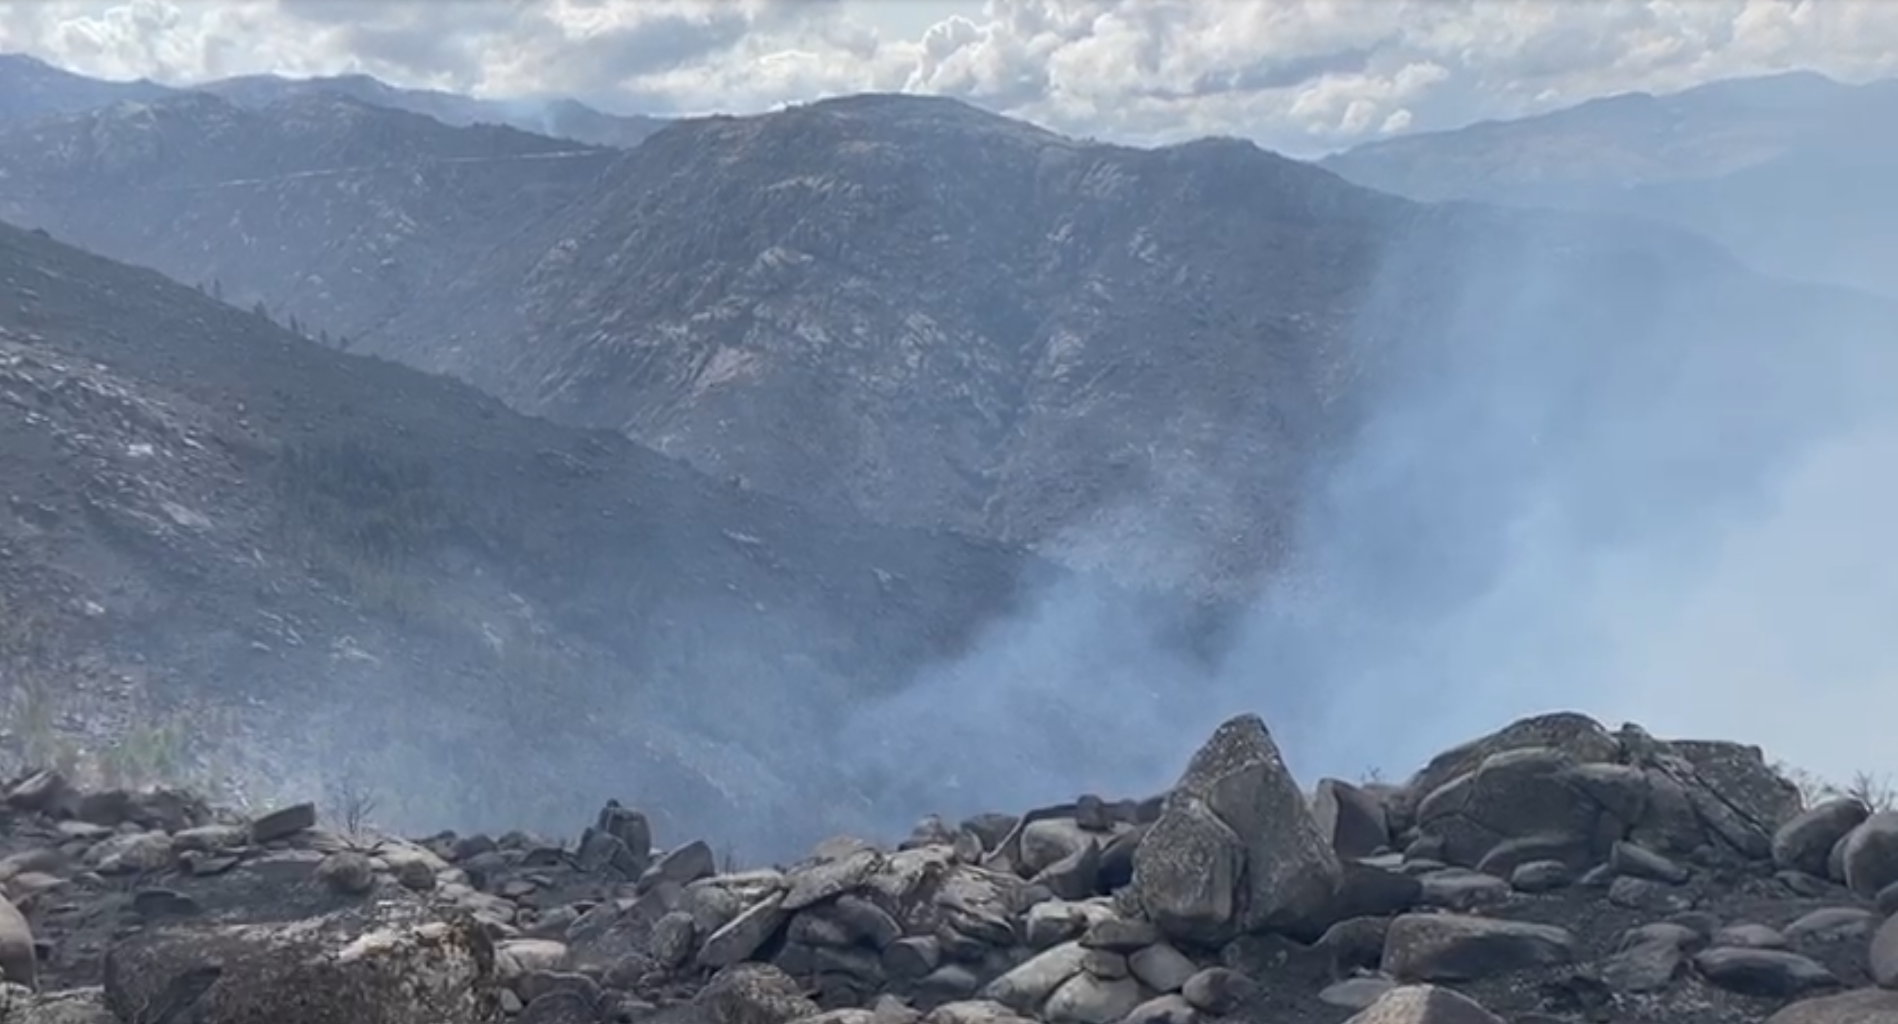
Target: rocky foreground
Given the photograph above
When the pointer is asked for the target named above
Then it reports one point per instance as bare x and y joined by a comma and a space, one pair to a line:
1552, 871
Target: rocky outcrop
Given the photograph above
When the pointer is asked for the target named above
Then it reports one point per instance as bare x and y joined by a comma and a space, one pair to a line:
1232, 897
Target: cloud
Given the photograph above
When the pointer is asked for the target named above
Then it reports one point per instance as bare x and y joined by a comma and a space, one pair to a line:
1303, 76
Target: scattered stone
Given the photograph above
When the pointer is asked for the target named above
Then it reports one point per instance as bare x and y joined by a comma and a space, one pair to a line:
1772, 973
1425, 1004
283, 823
1457, 947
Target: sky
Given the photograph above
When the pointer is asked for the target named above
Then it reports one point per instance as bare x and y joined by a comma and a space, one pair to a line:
1300, 76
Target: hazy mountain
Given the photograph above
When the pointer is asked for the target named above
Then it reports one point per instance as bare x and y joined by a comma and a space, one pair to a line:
333, 211
910, 309
31, 89
320, 563
937, 315
559, 118
1788, 171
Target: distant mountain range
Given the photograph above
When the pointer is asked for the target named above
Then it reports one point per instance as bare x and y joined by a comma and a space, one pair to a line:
31, 89
1791, 172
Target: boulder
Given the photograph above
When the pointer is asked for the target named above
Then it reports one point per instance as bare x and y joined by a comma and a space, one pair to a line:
367, 966
1235, 848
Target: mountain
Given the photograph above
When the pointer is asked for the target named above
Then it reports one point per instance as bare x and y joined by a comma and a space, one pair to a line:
31, 89
1787, 171
903, 308
324, 208
227, 547
1125, 357
558, 118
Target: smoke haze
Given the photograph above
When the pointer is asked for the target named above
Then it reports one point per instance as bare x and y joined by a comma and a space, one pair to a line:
1680, 527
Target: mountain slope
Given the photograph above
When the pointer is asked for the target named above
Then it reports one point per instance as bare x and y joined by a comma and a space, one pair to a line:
323, 208
560, 118
1143, 359
1786, 171
1625, 140
326, 563
31, 89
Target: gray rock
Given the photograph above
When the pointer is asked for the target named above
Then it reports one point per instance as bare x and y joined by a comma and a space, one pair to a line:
1162, 968
347, 872
744, 934
1355, 993
281, 824
19, 962
388, 964
1806, 840
1640, 862
1456, 947
1167, 1009
1219, 991
1089, 999
753, 993
1770, 973
1351, 819
1862, 1006
1029, 984
1869, 854
1541, 876
1883, 955
1236, 818
1424, 1004
1832, 924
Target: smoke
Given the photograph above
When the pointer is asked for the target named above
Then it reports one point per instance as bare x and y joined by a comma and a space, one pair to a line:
1594, 466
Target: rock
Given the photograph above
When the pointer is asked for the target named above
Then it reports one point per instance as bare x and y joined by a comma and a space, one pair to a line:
1219, 991
1162, 968
1424, 1004
682, 866
44, 791
1028, 985
1582, 738
1862, 1006
1541, 876
1355, 993
1883, 955
1167, 1009
386, 966
752, 993
1047, 841
347, 872
1235, 848
1832, 924
1805, 841
744, 934
1456, 947
1649, 963
1088, 999
1640, 862
1351, 819
1519, 793
824, 880
281, 824
1869, 854
19, 1005
19, 961
131, 853
1770, 973
564, 1006
1118, 934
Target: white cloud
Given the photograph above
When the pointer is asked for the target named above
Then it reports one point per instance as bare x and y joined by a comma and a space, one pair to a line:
1300, 75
